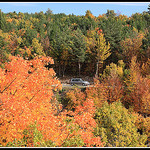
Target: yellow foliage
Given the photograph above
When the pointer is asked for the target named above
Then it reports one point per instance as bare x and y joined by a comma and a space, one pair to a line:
113, 69
145, 69
115, 122
19, 40
17, 21
37, 47
103, 50
120, 71
21, 50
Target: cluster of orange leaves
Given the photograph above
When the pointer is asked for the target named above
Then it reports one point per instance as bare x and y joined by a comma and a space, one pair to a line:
26, 96
83, 116
99, 31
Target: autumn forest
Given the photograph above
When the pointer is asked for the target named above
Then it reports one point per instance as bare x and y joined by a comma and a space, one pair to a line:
38, 49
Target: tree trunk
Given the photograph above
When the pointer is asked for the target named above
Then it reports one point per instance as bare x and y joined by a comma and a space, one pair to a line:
79, 68
63, 70
97, 65
59, 71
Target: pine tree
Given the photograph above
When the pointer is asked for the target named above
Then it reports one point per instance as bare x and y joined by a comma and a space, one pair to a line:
2, 21
78, 47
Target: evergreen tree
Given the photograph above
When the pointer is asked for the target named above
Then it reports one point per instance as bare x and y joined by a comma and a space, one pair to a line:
78, 47
112, 30
2, 21
110, 13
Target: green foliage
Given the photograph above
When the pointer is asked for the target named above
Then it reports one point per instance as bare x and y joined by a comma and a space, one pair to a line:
28, 36
4, 51
138, 21
77, 43
110, 13
2, 21
78, 46
116, 126
16, 143
31, 137
61, 34
112, 30
73, 141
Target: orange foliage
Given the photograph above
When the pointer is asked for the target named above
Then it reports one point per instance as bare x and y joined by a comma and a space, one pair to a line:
26, 94
21, 32
83, 116
44, 25
75, 97
96, 93
9, 20
131, 46
38, 35
145, 69
100, 16
141, 96
89, 14
137, 89
87, 123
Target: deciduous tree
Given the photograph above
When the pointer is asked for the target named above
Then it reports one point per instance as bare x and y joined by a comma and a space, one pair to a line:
116, 126
25, 93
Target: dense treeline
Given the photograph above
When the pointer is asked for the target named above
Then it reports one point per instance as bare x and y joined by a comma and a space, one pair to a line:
72, 40
112, 48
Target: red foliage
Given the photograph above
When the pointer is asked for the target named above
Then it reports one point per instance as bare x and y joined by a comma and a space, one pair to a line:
99, 31
110, 90
140, 96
